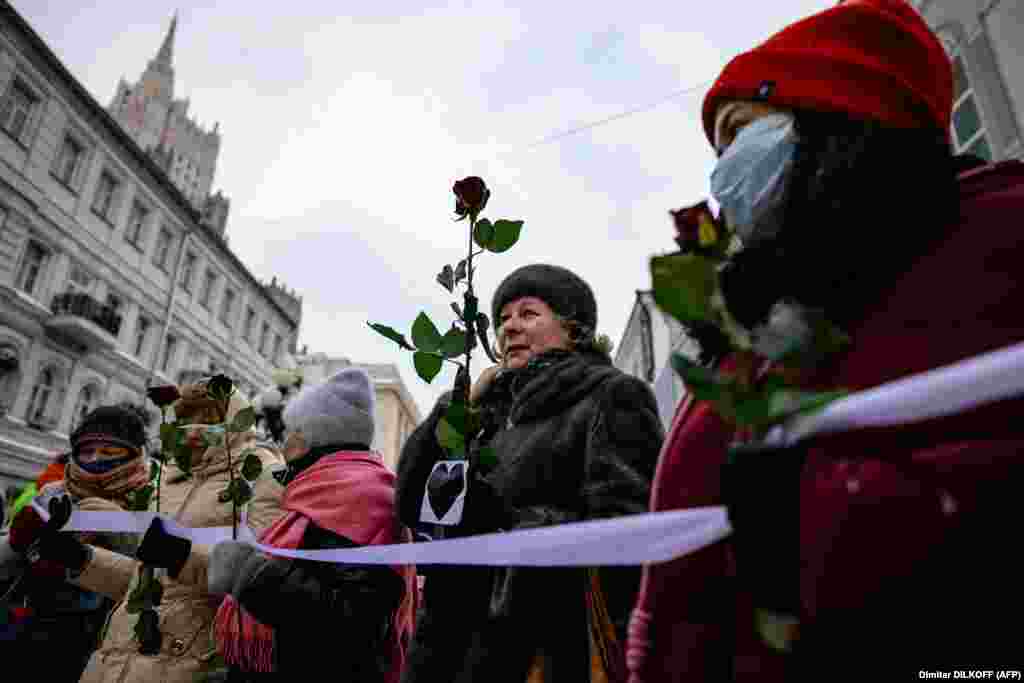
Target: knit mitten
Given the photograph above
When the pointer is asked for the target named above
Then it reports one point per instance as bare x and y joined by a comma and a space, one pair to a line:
225, 569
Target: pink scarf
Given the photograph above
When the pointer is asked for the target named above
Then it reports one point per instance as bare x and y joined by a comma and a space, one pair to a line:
350, 494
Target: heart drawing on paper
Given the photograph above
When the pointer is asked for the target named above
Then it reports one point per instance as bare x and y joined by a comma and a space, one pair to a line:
444, 486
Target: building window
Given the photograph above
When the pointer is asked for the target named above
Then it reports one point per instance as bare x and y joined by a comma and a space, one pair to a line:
969, 133
43, 398
114, 302
104, 202
16, 110
209, 280
84, 405
79, 280
169, 349
250, 320
141, 334
163, 248
136, 229
227, 307
29, 275
188, 271
264, 333
69, 161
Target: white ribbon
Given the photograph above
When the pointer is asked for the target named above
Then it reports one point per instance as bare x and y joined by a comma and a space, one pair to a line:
656, 536
628, 540
944, 391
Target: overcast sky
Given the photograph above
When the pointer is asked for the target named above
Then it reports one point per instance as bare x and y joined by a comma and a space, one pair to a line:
344, 128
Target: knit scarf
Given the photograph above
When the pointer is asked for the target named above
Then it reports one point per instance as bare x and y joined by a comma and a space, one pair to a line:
113, 484
350, 494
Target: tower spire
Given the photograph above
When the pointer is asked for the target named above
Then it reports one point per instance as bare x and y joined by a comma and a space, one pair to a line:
166, 53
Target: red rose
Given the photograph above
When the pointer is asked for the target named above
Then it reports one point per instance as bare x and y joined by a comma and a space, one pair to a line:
471, 195
696, 228
163, 395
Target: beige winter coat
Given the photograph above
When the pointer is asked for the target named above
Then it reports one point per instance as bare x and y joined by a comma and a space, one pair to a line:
187, 611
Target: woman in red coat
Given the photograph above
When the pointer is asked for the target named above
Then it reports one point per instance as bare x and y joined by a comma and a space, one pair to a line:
835, 170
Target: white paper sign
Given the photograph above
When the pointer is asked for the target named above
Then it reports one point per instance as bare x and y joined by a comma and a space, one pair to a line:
445, 493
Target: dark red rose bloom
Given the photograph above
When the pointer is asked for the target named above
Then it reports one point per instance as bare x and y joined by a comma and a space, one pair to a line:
696, 228
471, 195
163, 395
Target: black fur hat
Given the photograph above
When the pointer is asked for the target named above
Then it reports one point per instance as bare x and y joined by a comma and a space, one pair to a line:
564, 291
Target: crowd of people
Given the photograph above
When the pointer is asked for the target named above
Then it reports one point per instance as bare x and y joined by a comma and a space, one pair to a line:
885, 546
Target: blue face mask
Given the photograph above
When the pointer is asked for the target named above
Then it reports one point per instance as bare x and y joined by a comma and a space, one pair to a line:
752, 175
103, 466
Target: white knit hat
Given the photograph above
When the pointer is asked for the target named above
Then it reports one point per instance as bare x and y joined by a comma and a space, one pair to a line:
339, 410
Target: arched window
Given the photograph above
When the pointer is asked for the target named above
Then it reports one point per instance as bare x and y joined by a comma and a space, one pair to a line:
84, 405
42, 396
10, 377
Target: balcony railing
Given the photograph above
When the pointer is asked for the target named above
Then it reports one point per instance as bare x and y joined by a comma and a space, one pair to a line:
82, 305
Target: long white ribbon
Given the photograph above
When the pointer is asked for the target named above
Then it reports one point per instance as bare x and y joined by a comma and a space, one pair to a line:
628, 540
944, 391
656, 536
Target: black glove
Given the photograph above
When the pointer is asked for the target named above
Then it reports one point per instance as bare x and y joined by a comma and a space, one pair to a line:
160, 549
761, 491
50, 551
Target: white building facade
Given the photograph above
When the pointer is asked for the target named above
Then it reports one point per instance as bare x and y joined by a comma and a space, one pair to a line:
648, 342
111, 278
983, 39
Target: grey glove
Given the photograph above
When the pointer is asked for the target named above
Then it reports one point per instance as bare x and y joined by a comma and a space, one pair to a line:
228, 558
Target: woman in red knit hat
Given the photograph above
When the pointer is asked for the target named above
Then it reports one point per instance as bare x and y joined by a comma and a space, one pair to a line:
835, 169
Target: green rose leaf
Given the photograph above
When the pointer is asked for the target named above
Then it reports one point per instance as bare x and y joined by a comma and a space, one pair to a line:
483, 324
446, 278
391, 334
252, 466
454, 343
147, 630
425, 334
154, 470
244, 420
139, 501
483, 233
506, 234
457, 416
448, 437
488, 456
427, 365
460, 271
242, 493
683, 285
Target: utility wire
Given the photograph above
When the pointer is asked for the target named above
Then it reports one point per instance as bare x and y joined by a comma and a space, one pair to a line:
621, 115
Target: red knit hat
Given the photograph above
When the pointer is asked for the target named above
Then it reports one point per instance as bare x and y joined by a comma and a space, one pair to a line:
870, 59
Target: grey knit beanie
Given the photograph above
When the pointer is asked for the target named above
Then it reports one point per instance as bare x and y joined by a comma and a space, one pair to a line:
336, 411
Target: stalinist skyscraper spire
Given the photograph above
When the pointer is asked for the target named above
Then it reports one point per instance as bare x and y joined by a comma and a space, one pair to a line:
160, 124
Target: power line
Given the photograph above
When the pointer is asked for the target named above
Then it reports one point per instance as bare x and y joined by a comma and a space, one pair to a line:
621, 115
